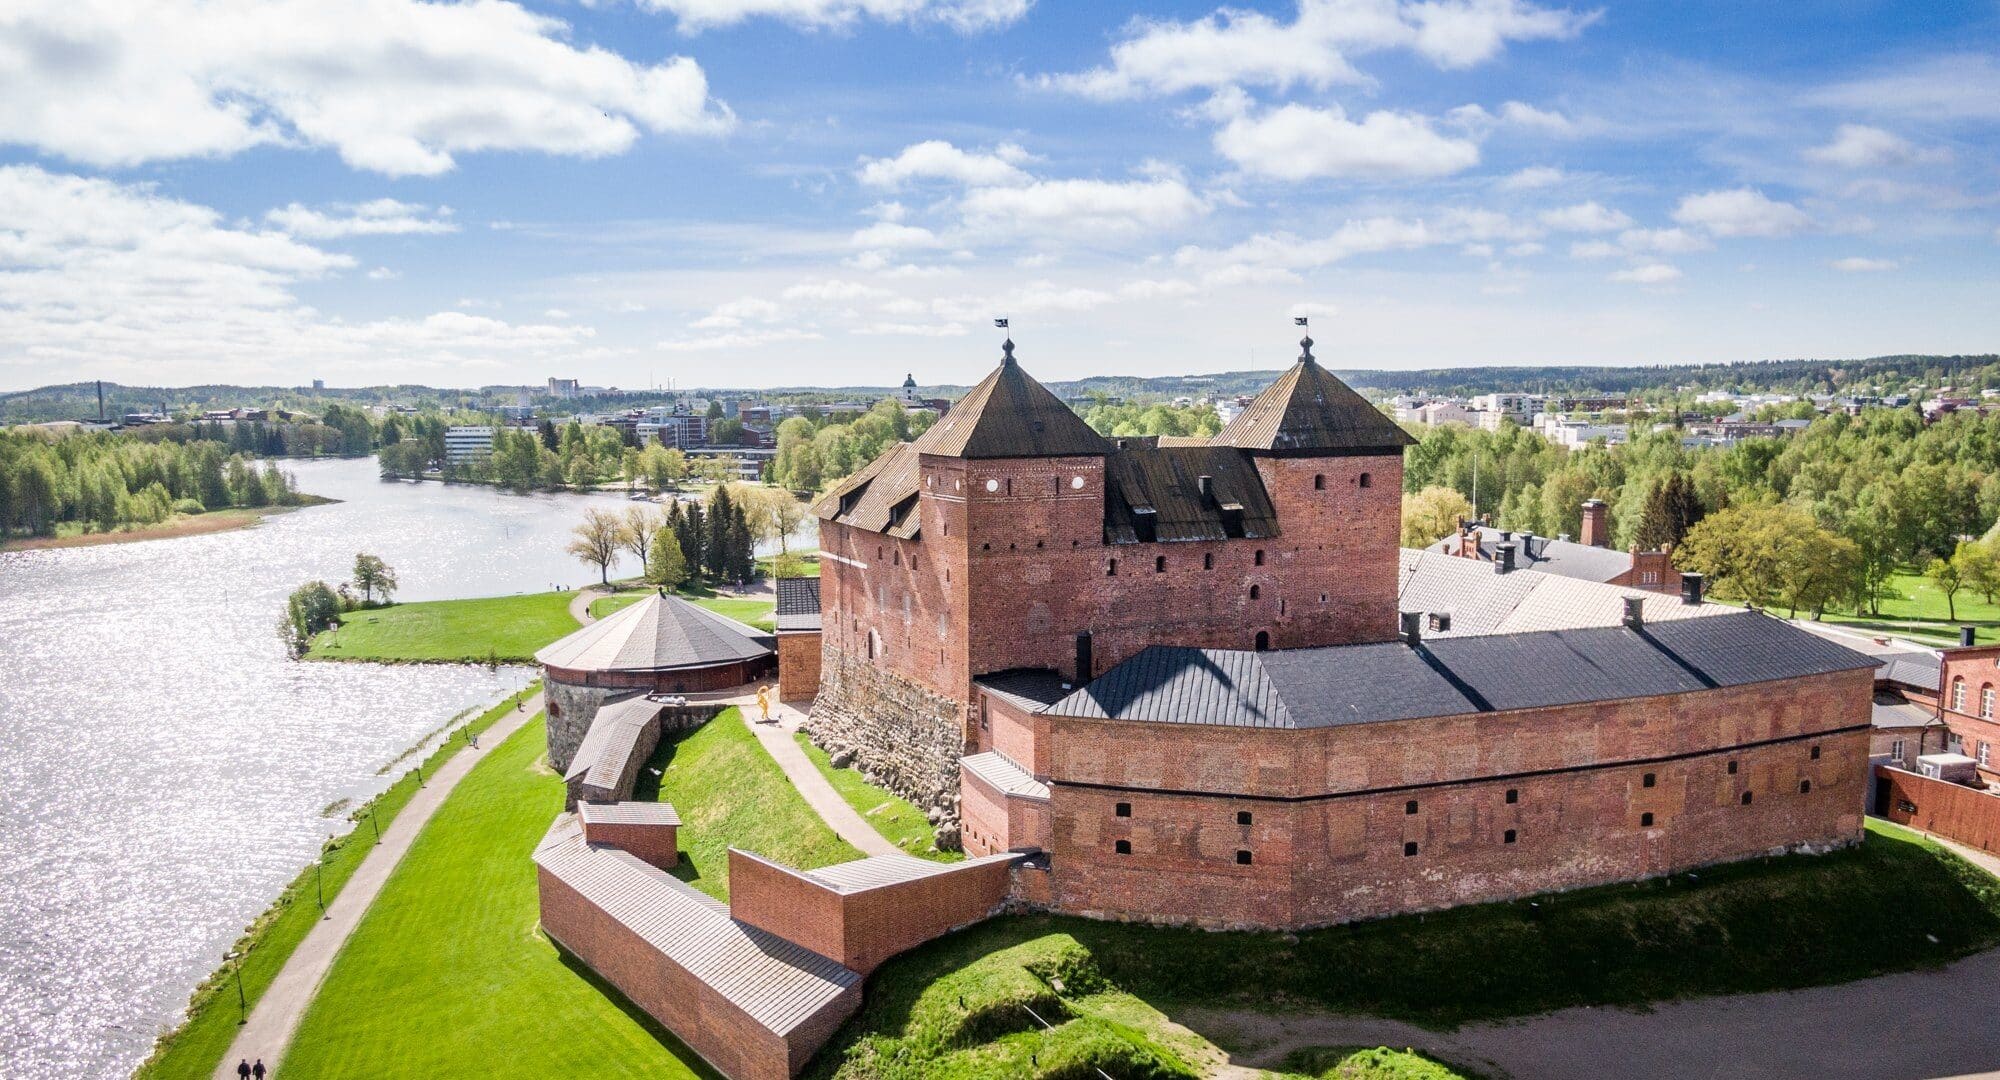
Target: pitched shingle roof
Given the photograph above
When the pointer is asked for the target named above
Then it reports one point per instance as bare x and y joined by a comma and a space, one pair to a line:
1008, 415
1153, 492
611, 741
1349, 684
1481, 601
1028, 688
882, 497
1310, 409
1565, 558
659, 633
798, 603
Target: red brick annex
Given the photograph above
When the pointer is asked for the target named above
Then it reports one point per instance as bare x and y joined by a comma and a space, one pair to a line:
1197, 681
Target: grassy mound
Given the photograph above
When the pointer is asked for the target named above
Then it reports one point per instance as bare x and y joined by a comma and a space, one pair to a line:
731, 794
1366, 1063
896, 818
498, 628
1764, 925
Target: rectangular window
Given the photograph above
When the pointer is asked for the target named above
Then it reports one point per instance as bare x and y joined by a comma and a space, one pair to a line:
1805, 787
1122, 847
1410, 807
1111, 568
1646, 781
1732, 768
1982, 752
1896, 749
1258, 559
1513, 795
1508, 838
1646, 820
1208, 561
1243, 858
1242, 817
1815, 753
1123, 809
1409, 849
1746, 798
1159, 564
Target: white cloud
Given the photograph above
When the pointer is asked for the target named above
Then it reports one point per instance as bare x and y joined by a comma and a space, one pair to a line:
1858, 146
1233, 47
1588, 217
835, 290
889, 235
1855, 264
133, 281
1535, 176
1595, 249
736, 312
895, 329
383, 273
1740, 212
394, 86
1965, 86
378, 217
1649, 274
1663, 241
1549, 121
935, 159
1296, 142
745, 339
1522, 251
965, 16
1152, 289
1077, 208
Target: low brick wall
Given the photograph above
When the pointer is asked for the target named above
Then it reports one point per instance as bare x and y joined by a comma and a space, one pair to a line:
1953, 811
862, 928
798, 665
658, 845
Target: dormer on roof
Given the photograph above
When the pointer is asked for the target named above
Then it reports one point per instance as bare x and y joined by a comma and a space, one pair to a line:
1309, 411
1010, 415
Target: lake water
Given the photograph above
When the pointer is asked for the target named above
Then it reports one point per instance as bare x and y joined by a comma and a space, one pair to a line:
165, 766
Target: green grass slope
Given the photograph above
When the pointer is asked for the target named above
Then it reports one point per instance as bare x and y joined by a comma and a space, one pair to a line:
506, 628
896, 818
447, 975
731, 794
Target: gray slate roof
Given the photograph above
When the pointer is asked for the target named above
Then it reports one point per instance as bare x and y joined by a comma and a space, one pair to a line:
1895, 713
777, 983
1154, 492
1481, 601
1030, 689
1010, 415
659, 633
1003, 776
1308, 409
1563, 558
1351, 684
1909, 668
798, 604
612, 740
627, 813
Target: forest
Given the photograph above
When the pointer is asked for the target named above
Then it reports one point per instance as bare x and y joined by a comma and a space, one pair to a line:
99, 482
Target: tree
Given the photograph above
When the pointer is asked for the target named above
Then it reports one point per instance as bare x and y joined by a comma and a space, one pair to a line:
665, 567
311, 608
640, 525
1431, 515
597, 542
1672, 508
773, 514
722, 513
1949, 577
372, 575
1765, 553
1979, 565
691, 531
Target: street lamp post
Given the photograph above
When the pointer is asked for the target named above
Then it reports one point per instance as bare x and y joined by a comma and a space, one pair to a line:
242, 1002
319, 884
373, 824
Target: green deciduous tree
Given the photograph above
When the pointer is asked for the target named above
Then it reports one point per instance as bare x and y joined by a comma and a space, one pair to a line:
597, 540
1431, 515
371, 576
665, 565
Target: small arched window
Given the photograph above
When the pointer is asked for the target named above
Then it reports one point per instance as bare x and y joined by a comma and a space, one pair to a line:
1263, 640
1159, 564
1958, 695
1367, 480
1319, 481
1258, 558
1254, 590
1986, 702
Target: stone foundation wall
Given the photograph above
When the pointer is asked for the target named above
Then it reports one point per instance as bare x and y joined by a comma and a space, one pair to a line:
571, 708
899, 734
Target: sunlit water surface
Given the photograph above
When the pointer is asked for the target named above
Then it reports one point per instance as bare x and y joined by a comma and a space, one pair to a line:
163, 767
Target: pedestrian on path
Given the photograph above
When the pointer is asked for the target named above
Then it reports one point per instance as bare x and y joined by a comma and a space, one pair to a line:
257, 1070
243, 1068
764, 704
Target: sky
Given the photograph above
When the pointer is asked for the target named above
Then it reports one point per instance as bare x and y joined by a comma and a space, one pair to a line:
838, 192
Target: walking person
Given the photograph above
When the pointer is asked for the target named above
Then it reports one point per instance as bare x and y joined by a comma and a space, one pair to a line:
764, 704
257, 1070
243, 1068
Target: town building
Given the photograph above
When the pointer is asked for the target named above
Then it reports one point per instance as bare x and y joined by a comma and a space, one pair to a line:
672, 430
1589, 558
465, 445
563, 388
1185, 674
1969, 684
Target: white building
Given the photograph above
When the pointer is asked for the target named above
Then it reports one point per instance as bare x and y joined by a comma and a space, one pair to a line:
1518, 407
1563, 431
466, 444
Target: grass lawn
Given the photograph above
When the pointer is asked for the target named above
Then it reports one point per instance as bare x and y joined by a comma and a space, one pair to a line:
505, 628
194, 1049
954, 1007
761, 614
804, 563
447, 974
896, 818
1366, 1063
731, 794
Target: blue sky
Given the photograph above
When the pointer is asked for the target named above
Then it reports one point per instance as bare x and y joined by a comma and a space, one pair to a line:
768, 192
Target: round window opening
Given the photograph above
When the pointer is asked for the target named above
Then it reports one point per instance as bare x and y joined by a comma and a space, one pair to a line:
1076, 482
993, 485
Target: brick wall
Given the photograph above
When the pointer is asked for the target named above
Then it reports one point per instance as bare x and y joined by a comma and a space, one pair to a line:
708, 1023
655, 844
798, 665
1973, 671
1020, 735
861, 929
1329, 808
992, 822
1964, 814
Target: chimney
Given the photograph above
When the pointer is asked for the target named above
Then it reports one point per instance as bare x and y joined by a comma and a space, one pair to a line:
1413, 627
1503, 558
1635, 612
1083, 658
1691, 588
1965, 637
1206, 485
1506, 535
1596, 524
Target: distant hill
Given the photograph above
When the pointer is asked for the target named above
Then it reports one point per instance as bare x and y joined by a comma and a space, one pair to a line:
72, 401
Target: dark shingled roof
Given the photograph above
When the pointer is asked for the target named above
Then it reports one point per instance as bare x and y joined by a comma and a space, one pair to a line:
1031, 689
659, 633
881, 498
798, 603
1010, 415
1353, 684
1564, 558
1154, 493
1309, 409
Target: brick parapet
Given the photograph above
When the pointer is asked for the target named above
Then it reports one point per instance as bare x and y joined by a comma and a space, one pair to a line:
862, 928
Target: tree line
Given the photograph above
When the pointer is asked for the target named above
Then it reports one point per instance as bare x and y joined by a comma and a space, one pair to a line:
101, 481
689, 540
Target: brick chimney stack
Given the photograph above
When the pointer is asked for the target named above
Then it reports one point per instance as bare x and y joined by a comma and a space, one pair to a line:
1596, 524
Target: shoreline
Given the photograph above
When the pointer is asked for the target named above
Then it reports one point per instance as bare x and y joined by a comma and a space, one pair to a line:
214, 521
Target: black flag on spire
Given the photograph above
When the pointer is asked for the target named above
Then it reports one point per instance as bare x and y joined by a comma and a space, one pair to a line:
1002, 323
1298, 320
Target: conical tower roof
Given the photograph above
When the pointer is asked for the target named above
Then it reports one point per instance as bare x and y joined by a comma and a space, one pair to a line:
1309, 410
656, 634
1010, 415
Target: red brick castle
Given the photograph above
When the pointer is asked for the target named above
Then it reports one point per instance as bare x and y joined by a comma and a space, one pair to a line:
1174, 669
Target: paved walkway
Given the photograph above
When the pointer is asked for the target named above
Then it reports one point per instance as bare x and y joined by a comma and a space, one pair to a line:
579, 605
777, 740
277, 1013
